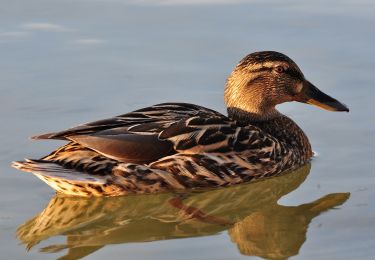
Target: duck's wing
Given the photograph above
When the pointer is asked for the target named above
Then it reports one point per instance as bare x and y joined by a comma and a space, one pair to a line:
148, 134
152, 119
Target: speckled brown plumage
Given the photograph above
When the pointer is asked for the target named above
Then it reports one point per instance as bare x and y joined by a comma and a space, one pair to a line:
177, 146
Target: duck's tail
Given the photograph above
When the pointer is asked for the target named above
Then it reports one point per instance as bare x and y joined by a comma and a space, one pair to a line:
64, 180
122, 179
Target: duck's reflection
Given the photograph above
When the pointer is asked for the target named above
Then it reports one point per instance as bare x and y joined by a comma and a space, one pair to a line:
256, 223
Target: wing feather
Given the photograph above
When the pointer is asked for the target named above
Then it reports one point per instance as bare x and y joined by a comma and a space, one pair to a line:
136, 136
126, 147
151, 133
148, 134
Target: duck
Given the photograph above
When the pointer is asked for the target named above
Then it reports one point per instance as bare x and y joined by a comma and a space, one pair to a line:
175, 147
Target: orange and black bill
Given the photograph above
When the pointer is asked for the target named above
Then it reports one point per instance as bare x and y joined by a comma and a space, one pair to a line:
312, 95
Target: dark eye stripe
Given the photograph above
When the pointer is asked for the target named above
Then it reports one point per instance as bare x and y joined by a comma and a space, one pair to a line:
289, 71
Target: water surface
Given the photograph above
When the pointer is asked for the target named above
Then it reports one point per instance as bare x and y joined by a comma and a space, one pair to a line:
68, 62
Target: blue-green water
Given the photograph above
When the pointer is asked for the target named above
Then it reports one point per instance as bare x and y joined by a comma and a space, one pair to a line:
68, 62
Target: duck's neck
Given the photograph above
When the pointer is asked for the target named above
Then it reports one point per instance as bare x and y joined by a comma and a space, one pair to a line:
252, 115
281, 127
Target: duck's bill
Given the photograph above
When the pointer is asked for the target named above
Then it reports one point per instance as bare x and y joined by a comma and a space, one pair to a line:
313, 96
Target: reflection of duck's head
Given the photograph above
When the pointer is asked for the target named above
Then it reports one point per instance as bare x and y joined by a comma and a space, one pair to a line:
92, 223
265, 79
279, 234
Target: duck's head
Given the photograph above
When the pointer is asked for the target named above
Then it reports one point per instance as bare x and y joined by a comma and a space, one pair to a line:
265, 79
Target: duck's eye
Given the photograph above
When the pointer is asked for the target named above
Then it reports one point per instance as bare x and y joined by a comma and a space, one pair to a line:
279, 69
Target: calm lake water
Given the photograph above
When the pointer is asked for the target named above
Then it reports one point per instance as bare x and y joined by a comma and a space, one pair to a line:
68, 62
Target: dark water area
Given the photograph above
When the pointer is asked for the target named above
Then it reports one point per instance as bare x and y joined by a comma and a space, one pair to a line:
68, 62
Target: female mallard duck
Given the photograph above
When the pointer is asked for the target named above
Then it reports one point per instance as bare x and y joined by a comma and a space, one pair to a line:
176, 146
